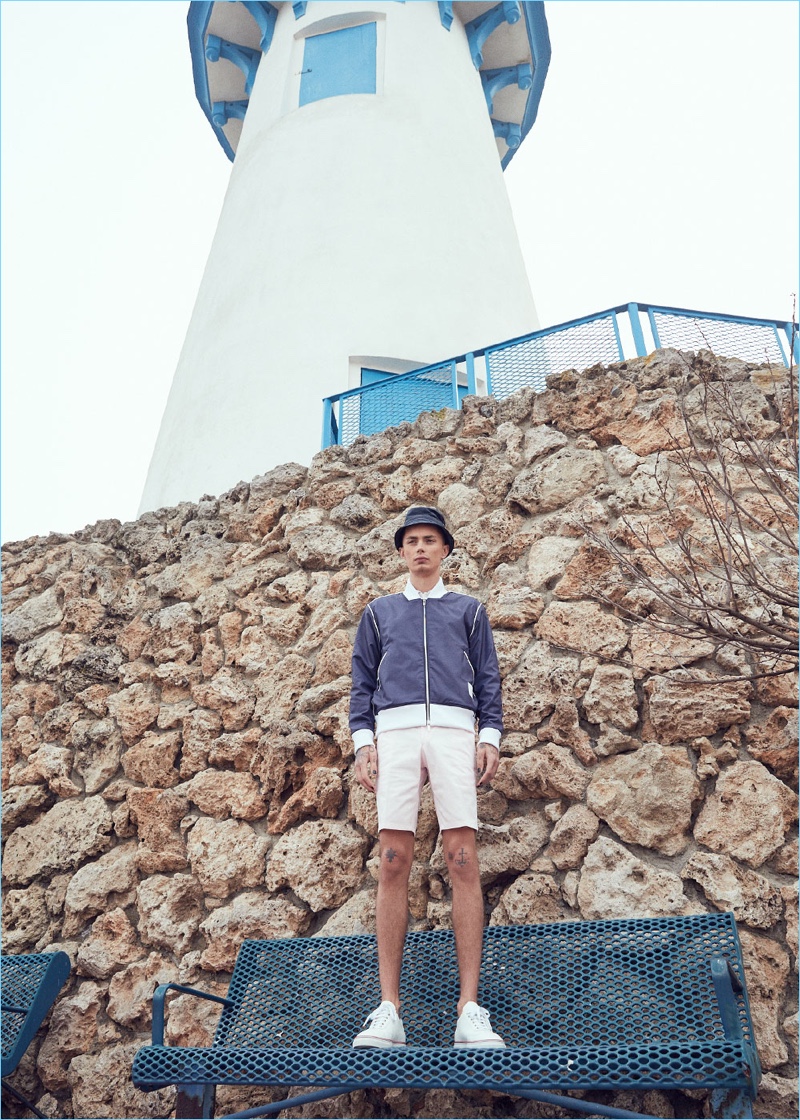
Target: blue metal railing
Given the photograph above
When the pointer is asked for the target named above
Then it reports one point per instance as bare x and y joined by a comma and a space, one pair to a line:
530, 359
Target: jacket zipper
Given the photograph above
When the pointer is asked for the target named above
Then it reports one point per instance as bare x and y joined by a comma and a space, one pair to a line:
425, 647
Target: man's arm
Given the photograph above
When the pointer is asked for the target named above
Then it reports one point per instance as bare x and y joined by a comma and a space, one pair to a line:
488, 694
366, 657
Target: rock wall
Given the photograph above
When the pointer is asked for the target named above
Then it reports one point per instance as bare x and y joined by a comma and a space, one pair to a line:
177, 769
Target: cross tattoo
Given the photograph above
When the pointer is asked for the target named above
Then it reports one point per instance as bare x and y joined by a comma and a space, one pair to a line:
390, 854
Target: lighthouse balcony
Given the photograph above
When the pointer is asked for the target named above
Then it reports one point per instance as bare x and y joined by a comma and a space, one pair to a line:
626, 331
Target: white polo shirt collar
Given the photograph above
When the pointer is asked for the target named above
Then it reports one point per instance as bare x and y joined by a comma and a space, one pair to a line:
437, 592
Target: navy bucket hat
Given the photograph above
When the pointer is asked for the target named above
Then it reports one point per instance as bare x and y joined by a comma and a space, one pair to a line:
424, 515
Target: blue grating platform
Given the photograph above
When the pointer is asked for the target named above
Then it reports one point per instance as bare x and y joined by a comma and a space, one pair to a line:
582, 1005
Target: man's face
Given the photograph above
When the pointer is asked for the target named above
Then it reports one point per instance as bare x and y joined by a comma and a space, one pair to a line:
423, 549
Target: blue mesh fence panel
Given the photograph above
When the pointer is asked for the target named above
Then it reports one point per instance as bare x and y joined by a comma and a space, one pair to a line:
752, 342
386, 403
530, 362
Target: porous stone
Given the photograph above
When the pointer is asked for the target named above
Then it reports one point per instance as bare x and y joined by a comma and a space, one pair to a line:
61, 839
321, 861
747, 815
530, 692
571, 837
226, 856
681, 706
25, 918
102, 1087
646, 797
72, 1031
551, 771
752, 898
170, 910
135, 709
583, 626
548, 558
223, 793
41, 612
251, 914
615, 884
611, 697
96, 887
111, 945
557, 480
532, 897
130, 991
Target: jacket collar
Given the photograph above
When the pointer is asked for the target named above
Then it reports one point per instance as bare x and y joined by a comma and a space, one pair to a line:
437, 592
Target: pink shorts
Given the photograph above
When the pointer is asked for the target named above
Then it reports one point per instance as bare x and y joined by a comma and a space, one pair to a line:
406, 758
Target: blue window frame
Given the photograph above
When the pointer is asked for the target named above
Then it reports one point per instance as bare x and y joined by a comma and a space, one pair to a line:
338, 62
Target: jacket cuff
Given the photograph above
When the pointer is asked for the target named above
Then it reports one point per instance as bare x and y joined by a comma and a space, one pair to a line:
363, 738
491, 736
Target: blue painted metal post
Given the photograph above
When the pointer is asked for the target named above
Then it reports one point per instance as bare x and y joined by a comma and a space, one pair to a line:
652, 319
636, 328
794, 342
329, 430
454, 383
472, 388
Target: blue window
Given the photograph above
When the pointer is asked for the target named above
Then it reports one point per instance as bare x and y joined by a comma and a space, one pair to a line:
339, 62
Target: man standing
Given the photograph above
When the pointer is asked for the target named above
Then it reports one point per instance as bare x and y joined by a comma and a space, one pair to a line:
424, 670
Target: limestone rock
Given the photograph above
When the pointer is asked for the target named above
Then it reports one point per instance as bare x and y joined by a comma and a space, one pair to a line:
502, 848
551, 771
155, 815
532, 897
251, 914
583, 626
655, 651
226, 856
321, 547
106, 883
223, 793
102, 1086
766, 966
25, 919
682, 707
530, 692
152, 760
20, 805
777, 1096
774, 743
321, 861
356, 915
110, 946
615, 884
33, 616
646, 797
170, 910
279, 689
571, 837
321, 796
135, 709
72, 1031
564, 728
611, 697
753, 899
61, 839
229, 695
130, 992
548, 558
557, 480
513, 607
747, 815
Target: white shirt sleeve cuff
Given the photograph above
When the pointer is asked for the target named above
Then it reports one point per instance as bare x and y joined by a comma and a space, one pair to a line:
363, 738
491, 736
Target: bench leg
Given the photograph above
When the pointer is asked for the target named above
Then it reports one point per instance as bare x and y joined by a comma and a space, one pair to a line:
575, 1104
23, 1100
195, 1102
735, 1103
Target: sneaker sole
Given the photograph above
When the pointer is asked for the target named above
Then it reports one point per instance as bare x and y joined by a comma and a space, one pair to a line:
482, 1044
376, 1042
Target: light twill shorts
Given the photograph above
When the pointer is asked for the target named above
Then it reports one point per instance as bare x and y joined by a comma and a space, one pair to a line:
410, 756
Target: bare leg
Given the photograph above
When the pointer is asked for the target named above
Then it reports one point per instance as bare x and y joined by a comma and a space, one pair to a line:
462, 864
391, 911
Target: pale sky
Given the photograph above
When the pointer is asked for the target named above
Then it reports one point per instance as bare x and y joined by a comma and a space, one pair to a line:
662, 167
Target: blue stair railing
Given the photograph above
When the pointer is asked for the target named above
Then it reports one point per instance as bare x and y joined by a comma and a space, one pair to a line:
607, 336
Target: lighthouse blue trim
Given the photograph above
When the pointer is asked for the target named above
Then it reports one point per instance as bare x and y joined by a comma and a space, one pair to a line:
495, 80
265, 16
299, 10
339, 62
479, 29
245, 58
223, 111
508, 131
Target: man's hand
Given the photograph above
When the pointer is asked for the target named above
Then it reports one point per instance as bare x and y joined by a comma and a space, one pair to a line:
367, 767
487, 759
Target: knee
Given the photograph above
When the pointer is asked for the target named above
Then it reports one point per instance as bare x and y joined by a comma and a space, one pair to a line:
462, 863
395, 863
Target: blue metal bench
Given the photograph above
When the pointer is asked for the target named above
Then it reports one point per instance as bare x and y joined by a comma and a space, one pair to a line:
29, 985
637, 1004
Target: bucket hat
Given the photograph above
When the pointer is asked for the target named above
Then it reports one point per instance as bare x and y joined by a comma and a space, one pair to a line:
424, 515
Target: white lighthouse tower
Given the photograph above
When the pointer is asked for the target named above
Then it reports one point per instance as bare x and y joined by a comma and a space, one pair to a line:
366, 226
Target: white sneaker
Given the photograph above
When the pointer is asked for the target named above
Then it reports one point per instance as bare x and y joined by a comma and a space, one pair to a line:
473, 1029
383, 1027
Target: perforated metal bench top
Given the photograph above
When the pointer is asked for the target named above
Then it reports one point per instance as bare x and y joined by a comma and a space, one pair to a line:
581, 1005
